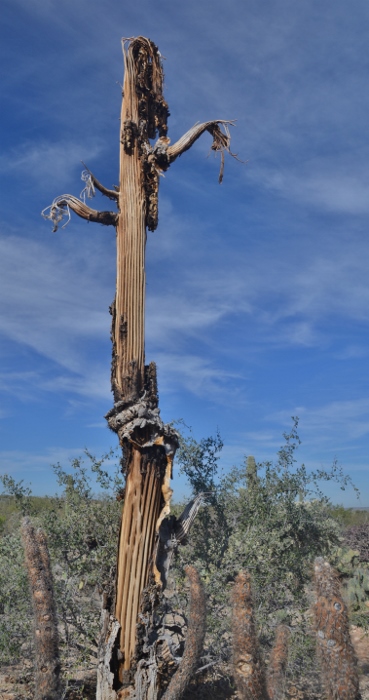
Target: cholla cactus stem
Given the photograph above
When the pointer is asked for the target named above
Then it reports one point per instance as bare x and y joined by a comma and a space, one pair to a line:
335, 650
277, 663
194, 639
247, 663
45, 621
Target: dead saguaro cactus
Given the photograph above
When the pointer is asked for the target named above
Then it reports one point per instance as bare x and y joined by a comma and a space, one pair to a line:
248, 667
335, 650
194, 639
45, 621
126, 665
278, 663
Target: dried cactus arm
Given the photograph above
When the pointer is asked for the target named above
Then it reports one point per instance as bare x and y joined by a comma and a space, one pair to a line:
108, 218
221, 140
62, 205
111, 194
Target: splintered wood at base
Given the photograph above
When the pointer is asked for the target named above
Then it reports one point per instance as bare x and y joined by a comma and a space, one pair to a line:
136, 542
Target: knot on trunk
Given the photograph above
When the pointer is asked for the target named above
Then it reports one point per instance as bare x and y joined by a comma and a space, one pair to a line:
142, 425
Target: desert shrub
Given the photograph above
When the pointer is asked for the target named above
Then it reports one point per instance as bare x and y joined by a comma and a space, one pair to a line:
15, 600
271, 519
357, 537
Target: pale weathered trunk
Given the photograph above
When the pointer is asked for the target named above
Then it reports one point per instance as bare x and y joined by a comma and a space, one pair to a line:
128, 666
148, 445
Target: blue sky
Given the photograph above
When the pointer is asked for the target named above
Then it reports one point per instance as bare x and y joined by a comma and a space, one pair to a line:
257, 290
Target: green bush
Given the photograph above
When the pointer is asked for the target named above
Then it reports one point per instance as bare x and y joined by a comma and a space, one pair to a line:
15, 601
271, 519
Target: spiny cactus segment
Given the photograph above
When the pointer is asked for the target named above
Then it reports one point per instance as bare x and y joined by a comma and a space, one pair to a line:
45, 621
194, 639
335, 650
247, 663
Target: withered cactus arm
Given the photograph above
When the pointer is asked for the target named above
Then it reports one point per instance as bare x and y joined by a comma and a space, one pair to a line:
111, 194
108, 218
221, 140
61, 207
166, 154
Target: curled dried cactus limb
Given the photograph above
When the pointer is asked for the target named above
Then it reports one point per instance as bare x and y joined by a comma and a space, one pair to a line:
277, 663
335, 650
248, 667
221, 140
61, 207
87, 174
194, 639
45, 621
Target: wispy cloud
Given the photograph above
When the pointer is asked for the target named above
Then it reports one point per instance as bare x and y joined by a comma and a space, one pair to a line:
286, 296
95, 383
48, 301
195, 374
39, 162
325, 184
341, 421
177, 316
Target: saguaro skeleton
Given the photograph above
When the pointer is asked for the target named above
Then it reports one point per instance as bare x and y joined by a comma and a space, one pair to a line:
148, 445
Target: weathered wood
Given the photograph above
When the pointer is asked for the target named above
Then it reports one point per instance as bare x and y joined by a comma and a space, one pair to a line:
143, 495
107, 657
110, 194
141, 104
128, 667
148, 445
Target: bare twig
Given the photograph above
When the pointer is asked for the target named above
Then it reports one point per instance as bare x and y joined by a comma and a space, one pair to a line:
209, 665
